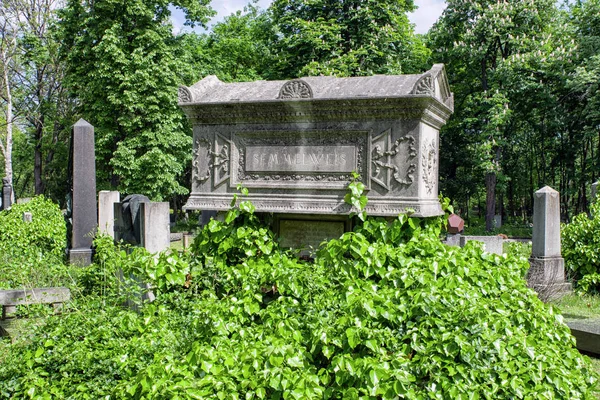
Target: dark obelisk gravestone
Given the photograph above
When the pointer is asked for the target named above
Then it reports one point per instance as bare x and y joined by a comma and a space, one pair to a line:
83, 194
6, 194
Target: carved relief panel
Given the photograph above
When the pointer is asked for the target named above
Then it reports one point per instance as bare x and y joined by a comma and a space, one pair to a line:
393, 160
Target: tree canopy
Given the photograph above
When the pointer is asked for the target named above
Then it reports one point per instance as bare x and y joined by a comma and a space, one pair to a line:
122, 67
525, 76
346, 38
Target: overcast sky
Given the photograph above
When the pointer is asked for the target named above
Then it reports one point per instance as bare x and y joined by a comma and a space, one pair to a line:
427, 13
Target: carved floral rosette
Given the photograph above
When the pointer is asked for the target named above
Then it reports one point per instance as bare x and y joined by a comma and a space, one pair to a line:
295, 89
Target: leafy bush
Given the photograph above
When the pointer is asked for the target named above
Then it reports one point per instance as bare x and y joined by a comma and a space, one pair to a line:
32, 253
580, 244
518, 249
386, 311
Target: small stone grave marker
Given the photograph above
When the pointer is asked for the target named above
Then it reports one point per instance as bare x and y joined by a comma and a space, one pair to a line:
6, 194
27, 217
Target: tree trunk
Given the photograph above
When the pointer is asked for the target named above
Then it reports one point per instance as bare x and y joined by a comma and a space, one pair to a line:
490, 200
38, 165
8, 142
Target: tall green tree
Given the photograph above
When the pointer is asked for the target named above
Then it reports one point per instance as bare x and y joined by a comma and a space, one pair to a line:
346, 38
124, 67
582, 96
239, 48
41, 96
9, 32
482, 42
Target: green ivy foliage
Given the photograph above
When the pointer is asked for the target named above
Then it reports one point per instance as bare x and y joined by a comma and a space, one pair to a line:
580, 244
25, 246
384, 312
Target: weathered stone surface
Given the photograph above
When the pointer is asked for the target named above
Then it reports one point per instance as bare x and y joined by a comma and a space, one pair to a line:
27, 217
595, 190
6, 200
453, 239
155, 226
128, 220
175, 236
586, 333
188, 240
9, 299
34, 296
84, 217
295, 144
300, 159
546, 270
546, 223
497, 221
546, 274
455, 224
308, 233
106, 211
491, 244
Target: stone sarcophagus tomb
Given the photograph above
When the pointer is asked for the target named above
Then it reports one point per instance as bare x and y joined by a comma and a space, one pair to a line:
295, 144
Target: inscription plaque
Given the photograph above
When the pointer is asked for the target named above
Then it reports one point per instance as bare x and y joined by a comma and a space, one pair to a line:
300, 234
297, 145
301, 158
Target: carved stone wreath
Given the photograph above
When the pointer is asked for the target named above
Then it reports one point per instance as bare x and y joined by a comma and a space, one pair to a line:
429, 164
296, 89
377, 154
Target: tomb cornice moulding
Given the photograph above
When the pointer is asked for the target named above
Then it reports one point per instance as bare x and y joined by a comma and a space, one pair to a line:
418, 207
321, 110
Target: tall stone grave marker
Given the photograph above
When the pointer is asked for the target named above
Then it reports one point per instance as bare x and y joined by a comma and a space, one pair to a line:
6, 194
296, 144
547, 272
83, 213
595, 190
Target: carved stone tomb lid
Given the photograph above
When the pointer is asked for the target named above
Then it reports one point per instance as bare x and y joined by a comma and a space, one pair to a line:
210, 90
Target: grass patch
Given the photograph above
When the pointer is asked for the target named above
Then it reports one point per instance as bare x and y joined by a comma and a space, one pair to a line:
476, 227
576, 306
177, 245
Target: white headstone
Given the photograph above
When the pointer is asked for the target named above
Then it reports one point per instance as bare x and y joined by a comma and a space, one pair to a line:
106, 211
155, 229
547, 267
546, 223
27, 217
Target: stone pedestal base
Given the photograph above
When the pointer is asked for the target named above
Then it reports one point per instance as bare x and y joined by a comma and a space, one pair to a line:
546, 270
80, 257
547, 277
552, 291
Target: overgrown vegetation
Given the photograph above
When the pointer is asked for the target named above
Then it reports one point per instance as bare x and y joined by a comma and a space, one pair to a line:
32, 253
580, 249
386, 311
